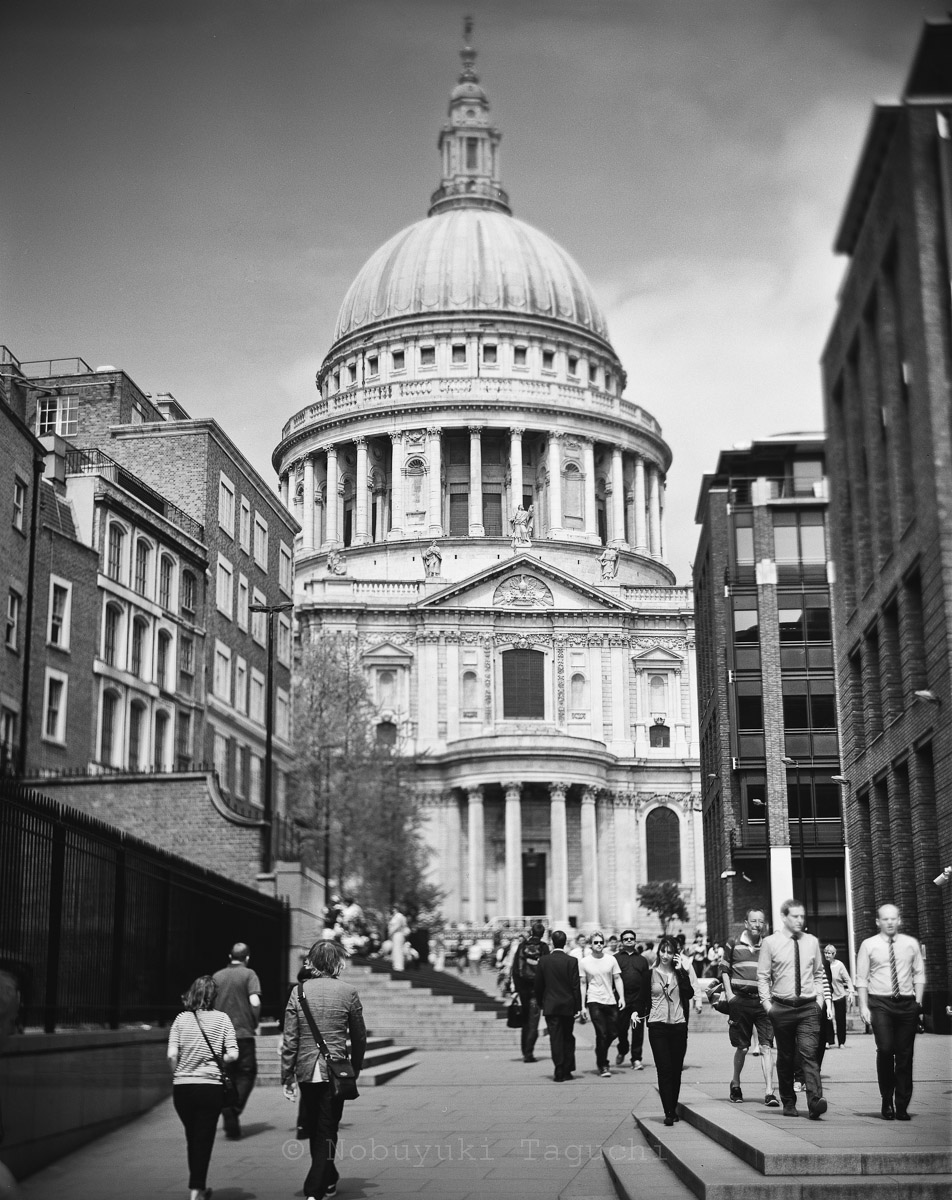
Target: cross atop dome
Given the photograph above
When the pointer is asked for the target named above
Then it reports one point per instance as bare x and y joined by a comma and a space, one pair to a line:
469, 146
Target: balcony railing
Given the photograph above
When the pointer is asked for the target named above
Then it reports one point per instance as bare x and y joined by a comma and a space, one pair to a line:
94, 462
826, 832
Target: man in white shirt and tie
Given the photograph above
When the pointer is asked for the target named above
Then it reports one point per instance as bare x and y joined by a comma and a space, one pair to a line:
792, 987
890, 981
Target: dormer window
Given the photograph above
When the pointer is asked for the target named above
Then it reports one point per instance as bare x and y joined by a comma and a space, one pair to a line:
399, 360
459, 354
427, 356
489, 354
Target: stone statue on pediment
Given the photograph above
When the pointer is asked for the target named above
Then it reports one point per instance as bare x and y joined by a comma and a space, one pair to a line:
520, 526
608, 561
336, 563
432, 558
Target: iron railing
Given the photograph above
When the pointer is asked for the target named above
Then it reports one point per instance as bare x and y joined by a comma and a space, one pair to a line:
94, 462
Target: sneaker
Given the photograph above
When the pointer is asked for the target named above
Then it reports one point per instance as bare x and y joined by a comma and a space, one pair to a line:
637, 1065
606, 1074
619, 1060
755, 1053
737, 1096
797, 1086
771, 1100
332, 1190
817, 1108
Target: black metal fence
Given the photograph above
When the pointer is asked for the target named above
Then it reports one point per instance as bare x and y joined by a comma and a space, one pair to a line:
103, 929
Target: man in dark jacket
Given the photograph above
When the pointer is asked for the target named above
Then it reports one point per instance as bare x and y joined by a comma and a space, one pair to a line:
525, 964
636, 979
559, 994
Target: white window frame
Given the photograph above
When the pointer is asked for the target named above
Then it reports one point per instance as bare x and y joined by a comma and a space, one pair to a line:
11, 637
258, 687
223, 655
220, 755
282, 714
52, 676
261, 526
241, 614
244, 524
226, 504
284, 640
67, 587
259, 620
20, 493
225, 587
241, 684
285, 569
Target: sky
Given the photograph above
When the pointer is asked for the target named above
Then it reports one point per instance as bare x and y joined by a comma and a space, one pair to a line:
190, 186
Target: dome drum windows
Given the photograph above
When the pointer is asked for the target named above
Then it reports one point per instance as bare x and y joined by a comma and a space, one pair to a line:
427, 356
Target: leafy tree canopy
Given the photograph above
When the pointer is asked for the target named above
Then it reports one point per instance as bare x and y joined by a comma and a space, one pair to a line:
665, 899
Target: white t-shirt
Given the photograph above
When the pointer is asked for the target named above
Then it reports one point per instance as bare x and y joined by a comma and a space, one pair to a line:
598, 974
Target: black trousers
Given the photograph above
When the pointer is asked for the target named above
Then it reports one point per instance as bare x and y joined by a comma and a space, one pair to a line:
562, 1044
530, 1027
605, 1022
797, 1032
669, 1044
894, 1025
839, 1018
198, 1106
637, 1034
244, 1071
322, 1114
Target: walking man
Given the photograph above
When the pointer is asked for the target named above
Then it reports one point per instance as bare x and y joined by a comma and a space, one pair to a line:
636, 981
559, 995
744, 1013
525, 964
601, 984
890, 980
239, 995
791, 984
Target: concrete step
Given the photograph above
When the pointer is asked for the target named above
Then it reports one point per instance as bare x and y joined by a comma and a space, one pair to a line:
593, 1182
626, 1154
383, 1061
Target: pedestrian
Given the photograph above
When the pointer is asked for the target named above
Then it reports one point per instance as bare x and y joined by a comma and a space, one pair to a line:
744, 1013
397, 932
201, 1042
559, 995
580, 949
337, 1013
843, 993
673, 986
603, 995
239, 995
636, 982
890, 980
525, 964
791, 985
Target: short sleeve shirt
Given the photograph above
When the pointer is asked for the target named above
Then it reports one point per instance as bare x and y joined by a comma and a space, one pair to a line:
236, 985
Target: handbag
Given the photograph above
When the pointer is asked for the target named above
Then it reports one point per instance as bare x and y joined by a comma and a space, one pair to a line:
515, 1014
229, 1087
340, 1071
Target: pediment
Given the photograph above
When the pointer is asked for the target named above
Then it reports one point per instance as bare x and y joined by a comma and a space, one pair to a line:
657, 656
524, 584
386, 652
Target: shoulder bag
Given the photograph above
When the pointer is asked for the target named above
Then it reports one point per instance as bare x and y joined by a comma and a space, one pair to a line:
230, 1093
341, 1074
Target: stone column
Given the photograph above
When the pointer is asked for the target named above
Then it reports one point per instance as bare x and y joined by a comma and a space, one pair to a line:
641, 533
362, 497
662, 500
380, 500
286, 489
396, 486
476, 482
515, 469
589, 858
555, 483
332, 527
654, 512
477, 863
588, 463
436, 483
559, 905
513, 849
307, 509
618, 498
452, 904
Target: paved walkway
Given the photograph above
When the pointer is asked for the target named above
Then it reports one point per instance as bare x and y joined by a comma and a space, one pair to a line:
467, 1126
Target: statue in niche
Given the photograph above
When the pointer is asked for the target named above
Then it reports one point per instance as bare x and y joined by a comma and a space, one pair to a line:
432, 558
335, 563
520, 526
608, 561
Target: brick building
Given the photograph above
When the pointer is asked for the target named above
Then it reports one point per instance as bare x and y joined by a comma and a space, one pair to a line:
887, 367
766, 688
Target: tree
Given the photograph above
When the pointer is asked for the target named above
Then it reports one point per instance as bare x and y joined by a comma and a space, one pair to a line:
665, 899
353, 798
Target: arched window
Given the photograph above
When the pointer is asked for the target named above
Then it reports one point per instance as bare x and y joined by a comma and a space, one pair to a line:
663, 840
112, 624
572, 500
386, 689
107, 733
166, 567
114, 549
578, 692
139, 658
161, 738
386, 733
143, 558
658, 700
523, 684
470, 692
659, 737
136, 726
416, 486
162, 659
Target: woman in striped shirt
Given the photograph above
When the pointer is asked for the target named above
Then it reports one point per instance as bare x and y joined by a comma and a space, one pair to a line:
197, 1092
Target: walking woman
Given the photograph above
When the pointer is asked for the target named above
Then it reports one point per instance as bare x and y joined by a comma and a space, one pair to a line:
673, 986
336, 1011
199, 1040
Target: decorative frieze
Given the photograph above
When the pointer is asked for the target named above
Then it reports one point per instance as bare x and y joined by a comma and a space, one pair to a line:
523, 591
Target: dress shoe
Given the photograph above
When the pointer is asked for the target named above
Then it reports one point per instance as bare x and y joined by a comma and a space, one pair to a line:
817, 1108
790, 1110
889, 1113
669, 1120
902, 1115
530, 1058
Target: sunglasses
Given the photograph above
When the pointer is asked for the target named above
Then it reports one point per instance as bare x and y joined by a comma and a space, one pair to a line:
598, 943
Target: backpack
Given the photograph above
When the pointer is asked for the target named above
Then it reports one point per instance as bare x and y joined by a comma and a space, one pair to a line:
526, 961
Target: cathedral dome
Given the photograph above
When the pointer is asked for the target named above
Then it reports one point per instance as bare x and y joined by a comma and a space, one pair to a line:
470, 259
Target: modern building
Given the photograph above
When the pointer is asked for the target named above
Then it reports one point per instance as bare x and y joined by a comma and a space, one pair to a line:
483, 510
887, 368
773, 822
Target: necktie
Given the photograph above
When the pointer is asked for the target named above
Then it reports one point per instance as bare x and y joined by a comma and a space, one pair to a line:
796, 965
893, 969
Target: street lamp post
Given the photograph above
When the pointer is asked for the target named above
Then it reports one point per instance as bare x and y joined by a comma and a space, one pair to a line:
795, 762
269, 610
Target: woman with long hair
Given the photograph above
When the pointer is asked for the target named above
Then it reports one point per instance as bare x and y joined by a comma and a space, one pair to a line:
673, 986
336, 1011
197, 1036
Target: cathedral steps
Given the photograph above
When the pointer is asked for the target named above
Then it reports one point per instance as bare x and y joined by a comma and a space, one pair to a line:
383, 1061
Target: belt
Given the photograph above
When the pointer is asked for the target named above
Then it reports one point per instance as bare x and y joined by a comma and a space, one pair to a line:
794, 1002
888, 996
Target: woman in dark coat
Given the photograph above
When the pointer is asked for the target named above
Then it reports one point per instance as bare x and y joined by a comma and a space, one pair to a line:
673, 986
337, 1013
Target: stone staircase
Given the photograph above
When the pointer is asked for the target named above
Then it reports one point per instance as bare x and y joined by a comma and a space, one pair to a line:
720, 1152
383, 1061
